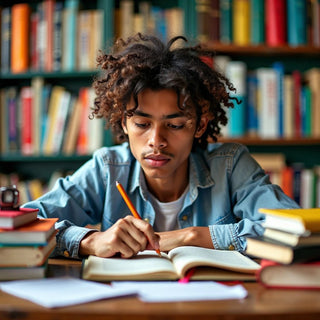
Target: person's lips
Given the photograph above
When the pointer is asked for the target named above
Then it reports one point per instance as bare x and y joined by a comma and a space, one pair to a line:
157, 160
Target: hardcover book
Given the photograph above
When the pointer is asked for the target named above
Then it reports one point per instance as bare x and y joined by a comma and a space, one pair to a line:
26, 256
295, 276
147, 265
10, 219
264, 248
298, 221
33, 233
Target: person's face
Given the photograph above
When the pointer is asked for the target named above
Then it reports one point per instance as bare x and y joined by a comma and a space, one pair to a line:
161, 135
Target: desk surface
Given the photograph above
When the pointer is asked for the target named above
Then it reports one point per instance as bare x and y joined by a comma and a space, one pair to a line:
260, 304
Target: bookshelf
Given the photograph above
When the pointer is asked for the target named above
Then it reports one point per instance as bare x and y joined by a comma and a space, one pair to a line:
255, 55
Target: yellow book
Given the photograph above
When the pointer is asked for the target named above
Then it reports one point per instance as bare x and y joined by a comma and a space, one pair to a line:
241, 22
298, 221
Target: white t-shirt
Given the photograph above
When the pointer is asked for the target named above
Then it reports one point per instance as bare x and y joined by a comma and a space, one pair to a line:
167, 212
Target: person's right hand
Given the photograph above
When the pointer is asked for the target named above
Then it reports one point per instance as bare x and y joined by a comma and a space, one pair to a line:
126, 237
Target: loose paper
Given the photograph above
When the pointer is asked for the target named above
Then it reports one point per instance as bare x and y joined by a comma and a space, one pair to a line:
61, 292
172, 291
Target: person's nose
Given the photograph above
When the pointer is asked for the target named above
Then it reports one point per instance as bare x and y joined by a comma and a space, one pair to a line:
157, 139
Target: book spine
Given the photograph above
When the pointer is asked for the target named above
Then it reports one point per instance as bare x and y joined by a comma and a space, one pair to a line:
226, 21
41, 37
279, 68
267, 103
20, 38
275, 22
214, 21
241, 21
27, 120
84, 35
203, 20
257, 24
5, 39
252, 104
297, 102
306, 112
236, 72
49, 11
288, 104
82, 142
313, 79
12, 132
297, 22
34, 59
57, 36
70, 35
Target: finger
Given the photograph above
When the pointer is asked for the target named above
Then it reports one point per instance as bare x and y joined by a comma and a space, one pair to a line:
148, 232
130, 235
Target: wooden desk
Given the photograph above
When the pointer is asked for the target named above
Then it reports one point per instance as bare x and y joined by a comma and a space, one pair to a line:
260, 304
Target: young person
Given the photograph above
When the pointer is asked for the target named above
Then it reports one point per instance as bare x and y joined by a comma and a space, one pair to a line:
163, 103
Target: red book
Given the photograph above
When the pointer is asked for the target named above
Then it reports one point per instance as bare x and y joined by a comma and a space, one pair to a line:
26, 127
287, 181
275, 22
83, 139
48, 16
297, 86
10, 219
294, 276
34, 59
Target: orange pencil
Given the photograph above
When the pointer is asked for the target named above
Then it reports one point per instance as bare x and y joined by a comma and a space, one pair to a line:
130, 205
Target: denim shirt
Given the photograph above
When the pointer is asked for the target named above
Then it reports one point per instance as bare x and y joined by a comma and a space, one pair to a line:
226, 189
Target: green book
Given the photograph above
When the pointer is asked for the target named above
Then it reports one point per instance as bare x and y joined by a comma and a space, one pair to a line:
257, 22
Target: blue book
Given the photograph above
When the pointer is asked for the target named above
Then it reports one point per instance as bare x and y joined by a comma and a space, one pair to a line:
70, 35
252, 104
236, 72
5, 40
226, 21
297, 22
279, 68
257, 21
306, 112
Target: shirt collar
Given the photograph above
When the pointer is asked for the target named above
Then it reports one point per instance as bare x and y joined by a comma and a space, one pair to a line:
199, 175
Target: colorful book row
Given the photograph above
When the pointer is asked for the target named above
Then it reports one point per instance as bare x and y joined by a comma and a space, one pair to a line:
45, 119
256, 22
54, 36
297, 181
273, 104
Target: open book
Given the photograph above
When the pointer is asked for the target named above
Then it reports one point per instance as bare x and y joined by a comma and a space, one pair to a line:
147, 265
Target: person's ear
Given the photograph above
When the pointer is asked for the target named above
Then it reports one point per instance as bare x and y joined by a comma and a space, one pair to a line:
202, 126
124, 125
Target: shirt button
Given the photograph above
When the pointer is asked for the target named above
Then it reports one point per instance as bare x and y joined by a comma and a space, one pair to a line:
66, 253
185, 218
231, 247
146, 220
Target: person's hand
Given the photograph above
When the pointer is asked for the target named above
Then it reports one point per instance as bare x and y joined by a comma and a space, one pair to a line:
126, 237
192, 236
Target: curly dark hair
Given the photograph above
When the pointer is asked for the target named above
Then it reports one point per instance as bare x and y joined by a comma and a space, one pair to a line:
145, 62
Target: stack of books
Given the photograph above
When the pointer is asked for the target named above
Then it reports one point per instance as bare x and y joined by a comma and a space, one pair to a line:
289, 248
25, 244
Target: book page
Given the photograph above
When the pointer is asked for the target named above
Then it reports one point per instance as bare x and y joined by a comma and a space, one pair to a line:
146, 265
187, 257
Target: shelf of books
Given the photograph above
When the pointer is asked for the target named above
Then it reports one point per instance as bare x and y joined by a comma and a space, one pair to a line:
269, 49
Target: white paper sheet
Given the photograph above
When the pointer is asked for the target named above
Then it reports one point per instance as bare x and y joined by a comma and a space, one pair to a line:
60, 292
170, 291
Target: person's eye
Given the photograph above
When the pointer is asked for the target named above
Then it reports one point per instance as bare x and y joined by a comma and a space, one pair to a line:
175, 126
141, 125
